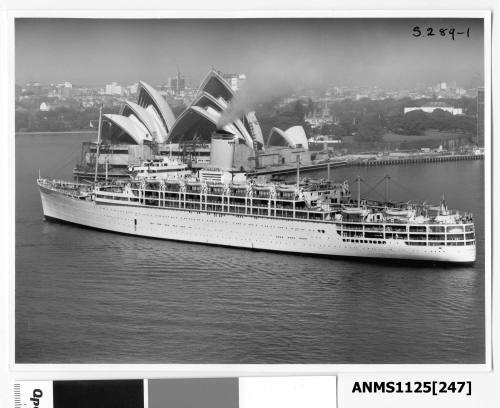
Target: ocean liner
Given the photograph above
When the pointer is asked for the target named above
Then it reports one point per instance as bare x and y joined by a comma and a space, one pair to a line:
224, 208
217, 205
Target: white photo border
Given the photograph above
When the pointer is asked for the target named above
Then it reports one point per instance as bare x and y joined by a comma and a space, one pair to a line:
116, 371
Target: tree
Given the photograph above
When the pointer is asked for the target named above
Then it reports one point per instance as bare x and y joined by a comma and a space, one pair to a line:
370, 129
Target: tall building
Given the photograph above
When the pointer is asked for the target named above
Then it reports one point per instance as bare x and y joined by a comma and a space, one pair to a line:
66, 89
480, 117
177, 83
132, 89
113, 89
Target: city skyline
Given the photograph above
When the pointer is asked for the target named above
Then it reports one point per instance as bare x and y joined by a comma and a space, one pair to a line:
290, 52
448, 84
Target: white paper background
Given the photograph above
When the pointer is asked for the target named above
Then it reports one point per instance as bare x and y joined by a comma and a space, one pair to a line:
288, 392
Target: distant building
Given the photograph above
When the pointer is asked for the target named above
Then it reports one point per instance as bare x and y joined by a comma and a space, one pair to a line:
318, 121
431, 107
132, 89
34, 88
113, 89
361, 96
177, 83
65, 90
44, 107
235, 80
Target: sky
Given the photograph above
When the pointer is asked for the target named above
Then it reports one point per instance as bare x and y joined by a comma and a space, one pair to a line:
343, 52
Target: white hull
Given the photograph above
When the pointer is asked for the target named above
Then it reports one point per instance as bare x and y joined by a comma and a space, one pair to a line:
243, 231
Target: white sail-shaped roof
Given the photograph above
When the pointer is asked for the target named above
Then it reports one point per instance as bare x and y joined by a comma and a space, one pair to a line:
198, 122
204, 99
214, 116
217, 86
129, 127
210, 103
254, 126
244, 132
293, 137
298, 136
192, 123
147, 118
220, 89
148, 96
151, 115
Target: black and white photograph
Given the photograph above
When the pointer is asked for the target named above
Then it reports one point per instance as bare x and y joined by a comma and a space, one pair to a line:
251, 190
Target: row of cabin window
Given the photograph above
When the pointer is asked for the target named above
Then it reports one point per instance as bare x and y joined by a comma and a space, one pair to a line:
403, 228
363, 241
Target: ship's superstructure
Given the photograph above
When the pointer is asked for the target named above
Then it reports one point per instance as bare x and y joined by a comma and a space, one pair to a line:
166, 167
313, 218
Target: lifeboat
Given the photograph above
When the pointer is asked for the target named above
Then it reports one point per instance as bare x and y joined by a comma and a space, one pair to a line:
361, 211
399, 212
262, 190
172, 184
238, 189
216, 187
262, 187
456, 229
238, 186
285, 188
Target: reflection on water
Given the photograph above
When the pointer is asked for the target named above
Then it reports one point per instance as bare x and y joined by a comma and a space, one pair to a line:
84, 296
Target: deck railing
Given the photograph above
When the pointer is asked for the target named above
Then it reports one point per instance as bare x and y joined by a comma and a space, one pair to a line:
274, 207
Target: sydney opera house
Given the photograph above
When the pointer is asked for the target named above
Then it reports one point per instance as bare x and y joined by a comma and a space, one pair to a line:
148, 127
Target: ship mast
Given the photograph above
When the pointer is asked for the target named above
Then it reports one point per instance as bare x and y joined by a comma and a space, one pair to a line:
358, 179
98, 144
298, 171
387, 178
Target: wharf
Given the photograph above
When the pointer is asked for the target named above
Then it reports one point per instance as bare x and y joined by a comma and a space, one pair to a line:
386, 161
371, 161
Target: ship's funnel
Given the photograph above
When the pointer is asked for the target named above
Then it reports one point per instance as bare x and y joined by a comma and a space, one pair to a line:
222, 150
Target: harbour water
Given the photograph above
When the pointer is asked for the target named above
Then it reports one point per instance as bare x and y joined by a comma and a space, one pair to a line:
85, 296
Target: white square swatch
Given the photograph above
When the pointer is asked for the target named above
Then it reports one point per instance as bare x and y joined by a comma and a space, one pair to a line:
288, 392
